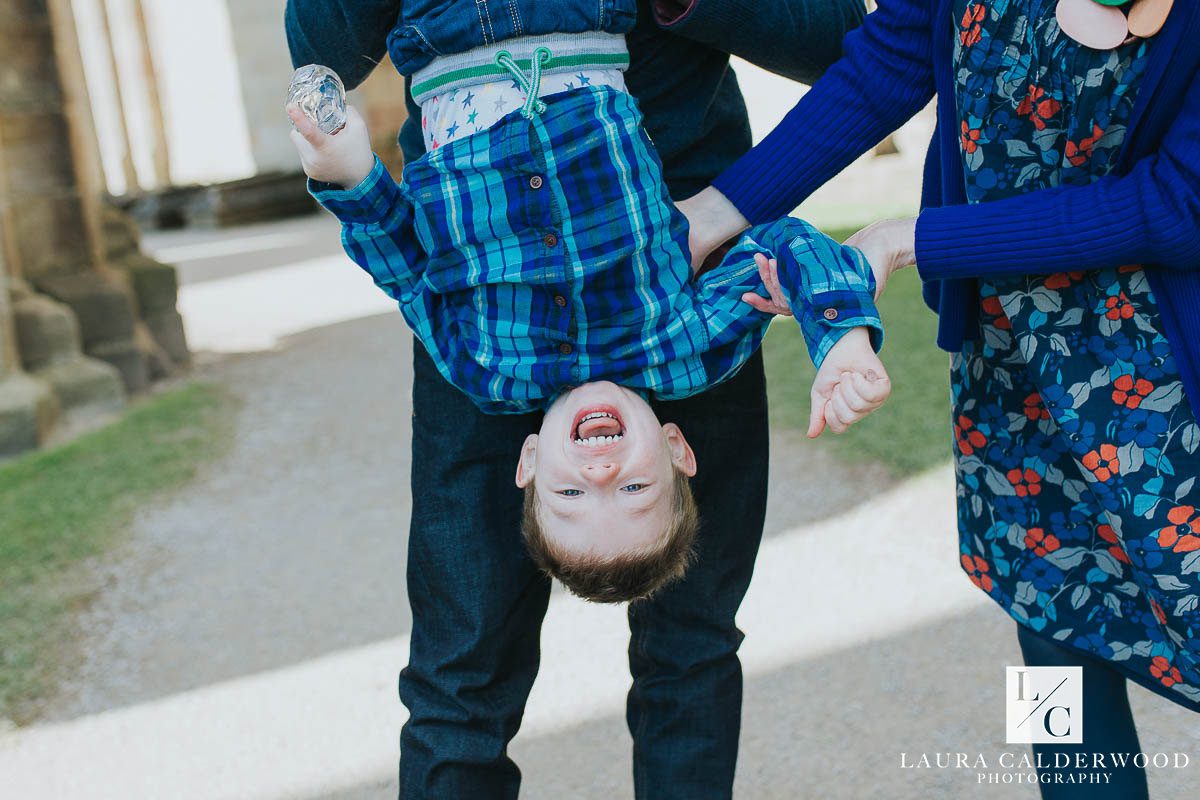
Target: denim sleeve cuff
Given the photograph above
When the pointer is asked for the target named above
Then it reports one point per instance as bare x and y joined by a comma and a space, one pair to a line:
373, 200
672, 12
703, 20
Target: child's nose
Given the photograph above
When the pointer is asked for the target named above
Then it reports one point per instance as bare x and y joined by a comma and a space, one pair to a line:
600, 474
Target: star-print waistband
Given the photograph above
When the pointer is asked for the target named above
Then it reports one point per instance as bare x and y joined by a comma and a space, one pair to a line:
467, 110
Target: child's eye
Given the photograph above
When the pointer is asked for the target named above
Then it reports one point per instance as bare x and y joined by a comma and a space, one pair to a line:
570, 492
633, 487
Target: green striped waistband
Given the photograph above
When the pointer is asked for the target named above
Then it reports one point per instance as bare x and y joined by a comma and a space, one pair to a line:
574, 51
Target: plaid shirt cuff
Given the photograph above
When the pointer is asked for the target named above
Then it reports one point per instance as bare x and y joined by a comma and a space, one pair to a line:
371, 201
844, 300
835, 313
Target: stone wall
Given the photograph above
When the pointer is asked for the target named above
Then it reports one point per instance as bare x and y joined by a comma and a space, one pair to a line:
85, 318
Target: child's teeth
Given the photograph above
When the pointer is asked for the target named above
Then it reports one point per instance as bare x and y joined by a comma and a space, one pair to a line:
593, 441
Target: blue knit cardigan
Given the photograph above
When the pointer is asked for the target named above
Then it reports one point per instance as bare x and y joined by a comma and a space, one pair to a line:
1146, 212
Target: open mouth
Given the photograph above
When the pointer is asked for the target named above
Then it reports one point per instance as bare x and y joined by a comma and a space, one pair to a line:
598, 426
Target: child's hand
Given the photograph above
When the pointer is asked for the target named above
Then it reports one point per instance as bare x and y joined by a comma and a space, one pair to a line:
343, 158
768, 271
850, 384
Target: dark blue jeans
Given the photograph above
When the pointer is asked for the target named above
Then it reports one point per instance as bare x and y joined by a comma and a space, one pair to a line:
478, 602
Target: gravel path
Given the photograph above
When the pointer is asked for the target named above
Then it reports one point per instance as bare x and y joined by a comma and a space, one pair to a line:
291, 547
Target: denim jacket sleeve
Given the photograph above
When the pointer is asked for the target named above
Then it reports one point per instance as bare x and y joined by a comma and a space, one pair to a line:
798, 39
378, 232
348, 36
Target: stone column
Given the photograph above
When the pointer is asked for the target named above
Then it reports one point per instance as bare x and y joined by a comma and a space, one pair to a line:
27, 407
52, 213
84, 316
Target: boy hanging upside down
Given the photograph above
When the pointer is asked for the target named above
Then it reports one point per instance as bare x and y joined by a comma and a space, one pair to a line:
536, 254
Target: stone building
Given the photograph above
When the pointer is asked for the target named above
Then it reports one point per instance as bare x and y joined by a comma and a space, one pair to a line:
188, 100
94, 98
85, 318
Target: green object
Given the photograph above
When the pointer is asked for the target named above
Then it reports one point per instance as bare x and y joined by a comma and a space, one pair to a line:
1113, 2
64, 506
912, 431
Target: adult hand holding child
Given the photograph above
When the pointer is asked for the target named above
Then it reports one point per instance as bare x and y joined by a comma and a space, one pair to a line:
889, 245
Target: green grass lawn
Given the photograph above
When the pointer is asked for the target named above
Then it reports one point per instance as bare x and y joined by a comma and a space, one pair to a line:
912, 430
70, 503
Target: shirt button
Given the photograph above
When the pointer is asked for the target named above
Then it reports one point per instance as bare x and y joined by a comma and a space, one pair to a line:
831, 314
550, 240
560, 301
565, 349
535, 182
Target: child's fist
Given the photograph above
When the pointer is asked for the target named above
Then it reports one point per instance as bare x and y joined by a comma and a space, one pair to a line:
343, 158
850, 384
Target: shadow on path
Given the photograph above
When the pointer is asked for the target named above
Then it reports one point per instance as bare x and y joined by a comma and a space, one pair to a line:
834, 727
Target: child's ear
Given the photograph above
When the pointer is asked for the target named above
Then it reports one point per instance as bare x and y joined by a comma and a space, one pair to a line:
525, 465
681, 452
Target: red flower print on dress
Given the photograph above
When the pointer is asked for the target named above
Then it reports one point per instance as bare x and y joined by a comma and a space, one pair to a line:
1129, 392
1118, 307
1182, 534
1159, 614
970, 137
1080, 153
1102, 462
971, 29
1035, 409
1062, 280
1162, 669
991, 306
1109, 535
1026, 483
1040, 543
969, 437
977, 570
1039, 108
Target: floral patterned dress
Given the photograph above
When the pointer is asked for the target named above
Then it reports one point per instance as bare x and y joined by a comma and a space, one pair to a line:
1076, 449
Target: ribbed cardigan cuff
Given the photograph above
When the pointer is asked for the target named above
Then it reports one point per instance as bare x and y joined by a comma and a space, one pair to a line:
772, 179
1039, 233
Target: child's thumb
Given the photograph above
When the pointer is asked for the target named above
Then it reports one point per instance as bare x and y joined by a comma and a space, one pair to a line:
816, 416
305, 126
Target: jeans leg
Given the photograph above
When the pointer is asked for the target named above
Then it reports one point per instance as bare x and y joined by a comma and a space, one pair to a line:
684, 709
1108, 722
477, 600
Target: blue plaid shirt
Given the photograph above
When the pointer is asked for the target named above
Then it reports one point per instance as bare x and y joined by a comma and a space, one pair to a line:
544, 253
